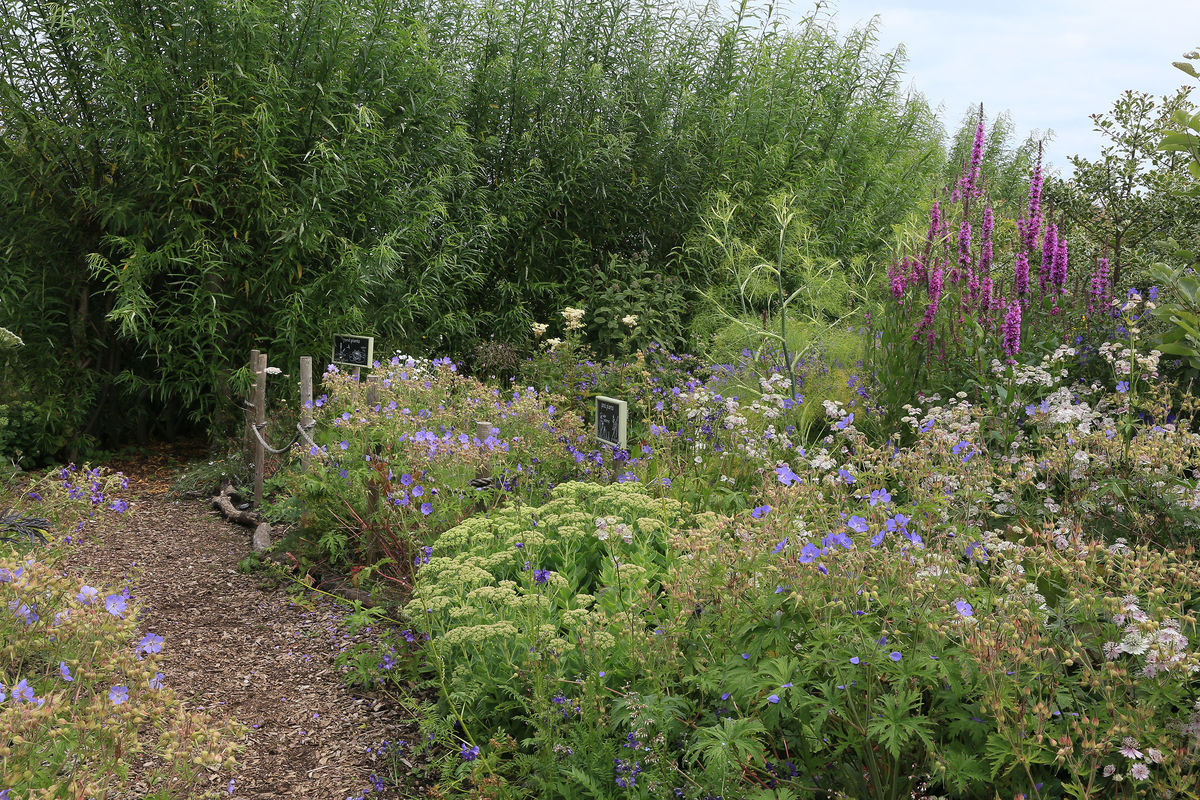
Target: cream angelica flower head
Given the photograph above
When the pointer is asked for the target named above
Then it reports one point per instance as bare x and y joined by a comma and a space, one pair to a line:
574, 318
539, 329
630, 320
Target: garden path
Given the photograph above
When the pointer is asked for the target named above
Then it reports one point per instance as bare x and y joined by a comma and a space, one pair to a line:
265, 657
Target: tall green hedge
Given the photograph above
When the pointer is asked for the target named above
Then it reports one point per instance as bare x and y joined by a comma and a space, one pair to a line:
186, 180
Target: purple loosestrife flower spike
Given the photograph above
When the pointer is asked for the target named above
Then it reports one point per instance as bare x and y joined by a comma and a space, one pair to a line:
1012, 329
935, 224
896, 275
970, 183
1099, 292
1049, 248
1021, 276
1058, 269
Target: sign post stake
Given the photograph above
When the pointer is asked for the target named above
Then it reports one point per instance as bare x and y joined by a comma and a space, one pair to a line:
260, 418
482, 431
306, 404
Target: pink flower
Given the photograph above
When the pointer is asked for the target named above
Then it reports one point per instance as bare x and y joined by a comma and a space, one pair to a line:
1129, 748
1139, 772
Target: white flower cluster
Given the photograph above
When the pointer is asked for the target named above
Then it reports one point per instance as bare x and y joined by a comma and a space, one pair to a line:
1122, 359
1160, 644
1048, 373
573, 317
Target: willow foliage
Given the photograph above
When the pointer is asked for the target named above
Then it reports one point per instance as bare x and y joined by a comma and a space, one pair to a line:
188, 179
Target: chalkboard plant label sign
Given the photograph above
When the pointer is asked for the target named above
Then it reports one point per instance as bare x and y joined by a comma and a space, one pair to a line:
612, 417
353, 351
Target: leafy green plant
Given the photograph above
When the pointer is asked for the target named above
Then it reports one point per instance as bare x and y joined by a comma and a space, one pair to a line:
1178, 309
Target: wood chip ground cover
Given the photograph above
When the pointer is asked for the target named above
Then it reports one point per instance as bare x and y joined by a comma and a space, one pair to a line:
265, 658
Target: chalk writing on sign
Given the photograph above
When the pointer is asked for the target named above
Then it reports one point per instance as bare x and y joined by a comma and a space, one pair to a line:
612, 417
354, 351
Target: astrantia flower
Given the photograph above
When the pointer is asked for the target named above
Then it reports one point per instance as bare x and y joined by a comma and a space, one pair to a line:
1139, 772
118, 694
1129, 747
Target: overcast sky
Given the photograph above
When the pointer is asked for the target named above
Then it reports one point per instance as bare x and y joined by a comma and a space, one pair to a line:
1050, 64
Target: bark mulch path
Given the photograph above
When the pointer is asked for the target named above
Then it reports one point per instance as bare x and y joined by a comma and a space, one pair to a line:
266, 658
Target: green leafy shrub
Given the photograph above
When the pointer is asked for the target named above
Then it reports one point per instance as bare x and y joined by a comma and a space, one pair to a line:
544, 626
385, 476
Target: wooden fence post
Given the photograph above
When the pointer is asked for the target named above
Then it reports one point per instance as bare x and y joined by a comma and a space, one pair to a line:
260, 418
306, 406
247, 435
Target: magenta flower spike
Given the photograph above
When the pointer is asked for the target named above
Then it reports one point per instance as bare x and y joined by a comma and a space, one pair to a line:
1012, 330
1033, 218
1049, 248
1021, 276
935, 224
971, 181
1099, 290
1058, 269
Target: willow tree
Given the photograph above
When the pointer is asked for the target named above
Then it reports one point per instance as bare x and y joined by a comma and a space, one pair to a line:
184, 181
